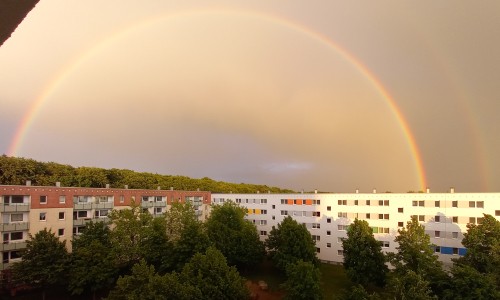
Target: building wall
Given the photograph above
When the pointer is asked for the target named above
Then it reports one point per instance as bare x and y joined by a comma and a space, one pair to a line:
444, 215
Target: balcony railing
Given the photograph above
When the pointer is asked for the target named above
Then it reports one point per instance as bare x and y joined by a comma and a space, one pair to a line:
14, 226
24, 207
13, 246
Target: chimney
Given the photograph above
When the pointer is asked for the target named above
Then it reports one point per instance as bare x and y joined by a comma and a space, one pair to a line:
28, 182
374, 191
126, 186
302, 192
269, 192
58, 184
315, 191
428, 190
107, 185
452, 190
198, 189
158, 188
357, 191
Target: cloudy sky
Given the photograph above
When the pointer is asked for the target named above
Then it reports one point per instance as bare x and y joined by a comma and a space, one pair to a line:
327, 95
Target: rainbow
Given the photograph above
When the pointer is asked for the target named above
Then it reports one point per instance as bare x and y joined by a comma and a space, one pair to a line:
30, 115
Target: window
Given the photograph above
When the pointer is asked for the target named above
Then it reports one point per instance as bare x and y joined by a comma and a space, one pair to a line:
238, 200
472, 204
317, 202
263, 201
380, 216
77, 230
43, 199
341, 227
122, 199
342, 202
454, 219
328, 245
318, 250
454, 235
383, 216
480, 220
342, 215
421, 203
60, 232
263, 232
104, 213
263, 222
386, 202
16, 217
421, 218
437, 203
400, 210
274, 206
437, 219
454, 203
316, 238
437, 249
367, 216
42, 216
385, 244
62, 199
328, 232
368, 202
472, 220
315, 225
328, 208
82, 214
480, 204
61, 215
284, 213
340, 252
455, 251
283, 201
274, 217
386, 216
380, 202
158, 210
437, 234
329, 220
316, 214
339, 240
263, 212
356, 202
414, 203
400, 224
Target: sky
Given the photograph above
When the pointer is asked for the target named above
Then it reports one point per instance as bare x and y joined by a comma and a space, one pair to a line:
329, 95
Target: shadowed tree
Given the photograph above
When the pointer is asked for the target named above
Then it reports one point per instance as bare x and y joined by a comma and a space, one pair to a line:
289, 243
364, 261
303, 281
45, 262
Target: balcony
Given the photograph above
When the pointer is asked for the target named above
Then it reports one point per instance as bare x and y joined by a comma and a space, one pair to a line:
83, 206
24, 207
102, 205
14, 226
13, 246
82, 221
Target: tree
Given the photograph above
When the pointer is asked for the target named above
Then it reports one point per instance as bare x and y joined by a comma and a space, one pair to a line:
411, 286
93, 266
290, 242
212, 276
234, 236
44, 264
128, 233
469, 284
483, 246
358, 292
302, 281
416, 254
154, 244
145, 283
364, 261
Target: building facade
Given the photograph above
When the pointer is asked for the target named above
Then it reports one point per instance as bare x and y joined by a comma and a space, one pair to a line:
327, 216
28, 209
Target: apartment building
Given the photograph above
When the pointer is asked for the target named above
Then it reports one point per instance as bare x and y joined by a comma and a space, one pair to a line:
28, 209
327, 216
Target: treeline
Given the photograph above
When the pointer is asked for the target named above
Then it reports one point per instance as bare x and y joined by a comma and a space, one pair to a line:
16, 171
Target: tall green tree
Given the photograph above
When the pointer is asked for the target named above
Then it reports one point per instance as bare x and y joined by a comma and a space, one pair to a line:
289, 243
213, 277
234, 236
303, 281
127, 234
155, 244
45, 262
411, 286
483, 246
93, 266
364, 261
416, 254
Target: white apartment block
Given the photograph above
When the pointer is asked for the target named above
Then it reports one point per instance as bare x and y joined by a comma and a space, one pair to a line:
326, 216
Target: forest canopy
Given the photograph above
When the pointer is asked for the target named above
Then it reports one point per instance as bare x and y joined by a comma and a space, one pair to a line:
17, 171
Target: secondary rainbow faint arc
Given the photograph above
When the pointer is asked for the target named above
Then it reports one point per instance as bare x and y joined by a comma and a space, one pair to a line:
31, 114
